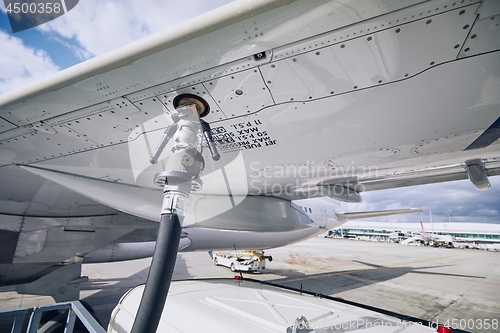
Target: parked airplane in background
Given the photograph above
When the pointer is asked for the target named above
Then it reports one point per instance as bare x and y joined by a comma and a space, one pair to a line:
306, 99
436, 239
415, 237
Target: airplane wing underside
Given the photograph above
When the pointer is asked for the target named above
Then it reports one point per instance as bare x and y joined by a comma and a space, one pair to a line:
307, 99
374, 95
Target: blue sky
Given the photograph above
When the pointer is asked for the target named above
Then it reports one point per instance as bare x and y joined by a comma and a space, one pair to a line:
94, 27
34, 38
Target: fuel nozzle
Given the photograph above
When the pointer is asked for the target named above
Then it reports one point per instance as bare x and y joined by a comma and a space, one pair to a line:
167, 135
207, 134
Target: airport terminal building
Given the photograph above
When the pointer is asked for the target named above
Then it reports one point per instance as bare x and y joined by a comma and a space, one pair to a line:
466, 232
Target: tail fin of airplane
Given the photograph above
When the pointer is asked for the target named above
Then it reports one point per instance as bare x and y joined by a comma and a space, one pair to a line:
422, 225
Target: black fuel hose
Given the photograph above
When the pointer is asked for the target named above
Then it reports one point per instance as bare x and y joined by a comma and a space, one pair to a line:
160, 275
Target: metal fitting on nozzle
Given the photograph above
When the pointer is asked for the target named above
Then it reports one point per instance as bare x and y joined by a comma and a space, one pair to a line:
167, 135
203, 109
207, 134
186, 99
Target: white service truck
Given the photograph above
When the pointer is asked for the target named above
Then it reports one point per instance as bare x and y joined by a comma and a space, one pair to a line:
249, 261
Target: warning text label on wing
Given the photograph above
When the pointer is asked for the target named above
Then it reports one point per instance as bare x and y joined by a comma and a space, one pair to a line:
242, 136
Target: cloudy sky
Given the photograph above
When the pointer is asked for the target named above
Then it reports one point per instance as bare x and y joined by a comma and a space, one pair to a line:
455, 201
94, 27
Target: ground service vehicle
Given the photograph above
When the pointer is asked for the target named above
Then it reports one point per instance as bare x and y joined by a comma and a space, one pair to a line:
241, 260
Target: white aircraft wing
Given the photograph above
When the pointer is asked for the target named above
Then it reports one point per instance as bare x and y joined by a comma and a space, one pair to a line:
307, 99
345, 216
391, 94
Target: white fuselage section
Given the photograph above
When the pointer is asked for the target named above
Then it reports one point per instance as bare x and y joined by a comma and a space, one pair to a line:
320, 214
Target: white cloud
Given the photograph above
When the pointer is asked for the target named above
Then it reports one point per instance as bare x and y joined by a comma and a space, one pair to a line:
21, 64
91, 28
98, 26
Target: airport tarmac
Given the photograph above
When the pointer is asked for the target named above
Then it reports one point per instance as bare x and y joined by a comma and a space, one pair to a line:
457, 287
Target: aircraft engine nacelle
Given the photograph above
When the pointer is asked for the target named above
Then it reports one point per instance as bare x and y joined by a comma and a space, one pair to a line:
245, 213
223, 223
256, 222
120, 252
